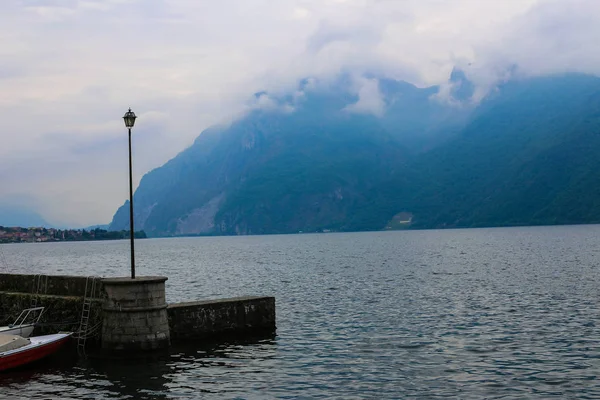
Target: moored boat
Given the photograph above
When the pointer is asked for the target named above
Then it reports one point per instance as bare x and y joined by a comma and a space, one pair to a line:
16, 351
24, 324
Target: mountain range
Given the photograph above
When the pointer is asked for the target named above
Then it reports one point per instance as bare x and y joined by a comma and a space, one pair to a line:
370, 153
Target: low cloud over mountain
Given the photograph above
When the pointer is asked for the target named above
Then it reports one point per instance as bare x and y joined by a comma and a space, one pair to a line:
523, 155
70, 69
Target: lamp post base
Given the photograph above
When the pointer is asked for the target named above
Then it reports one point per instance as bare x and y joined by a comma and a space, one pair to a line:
135, 314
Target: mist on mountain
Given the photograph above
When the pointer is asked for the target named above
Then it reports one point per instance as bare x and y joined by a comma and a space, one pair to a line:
351, 153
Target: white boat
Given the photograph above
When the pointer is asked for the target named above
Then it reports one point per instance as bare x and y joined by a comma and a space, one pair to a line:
16, 351
24, 324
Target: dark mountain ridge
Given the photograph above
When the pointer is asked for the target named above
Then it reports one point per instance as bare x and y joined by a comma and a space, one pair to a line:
332, 158
525, 153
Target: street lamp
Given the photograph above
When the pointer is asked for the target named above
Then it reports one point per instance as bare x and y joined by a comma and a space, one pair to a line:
129, 119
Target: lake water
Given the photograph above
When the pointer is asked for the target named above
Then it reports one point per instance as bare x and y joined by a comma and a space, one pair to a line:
479, 313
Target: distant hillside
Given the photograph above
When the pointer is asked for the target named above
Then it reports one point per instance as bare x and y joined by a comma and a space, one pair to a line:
15, 216
102, 226
325, 158
529, 155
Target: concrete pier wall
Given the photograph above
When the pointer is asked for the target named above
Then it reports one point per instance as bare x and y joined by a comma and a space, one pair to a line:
61, 313
230, 317
62, 297
56, 285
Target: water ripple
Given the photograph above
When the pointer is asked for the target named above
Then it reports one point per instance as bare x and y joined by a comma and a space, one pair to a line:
483, 313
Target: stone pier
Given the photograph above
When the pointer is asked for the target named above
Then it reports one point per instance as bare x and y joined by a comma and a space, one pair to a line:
133, 313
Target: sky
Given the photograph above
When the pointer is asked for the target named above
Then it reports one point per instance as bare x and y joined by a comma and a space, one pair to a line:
70, 69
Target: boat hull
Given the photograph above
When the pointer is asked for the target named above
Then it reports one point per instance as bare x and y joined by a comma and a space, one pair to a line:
40, 347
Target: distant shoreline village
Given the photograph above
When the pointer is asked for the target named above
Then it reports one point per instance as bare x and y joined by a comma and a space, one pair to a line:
41, 235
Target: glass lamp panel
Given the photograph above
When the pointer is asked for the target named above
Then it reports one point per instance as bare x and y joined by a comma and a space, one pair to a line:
129, 118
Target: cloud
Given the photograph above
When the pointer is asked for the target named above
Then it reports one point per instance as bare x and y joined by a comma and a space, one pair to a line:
265, 102
69, 69
370, 99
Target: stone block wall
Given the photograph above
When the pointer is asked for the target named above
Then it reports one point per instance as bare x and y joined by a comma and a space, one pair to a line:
61, 313
61, 297
138, 293
236, 317
135, 331
135, 314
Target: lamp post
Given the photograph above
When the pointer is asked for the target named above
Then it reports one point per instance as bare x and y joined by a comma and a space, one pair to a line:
129, 119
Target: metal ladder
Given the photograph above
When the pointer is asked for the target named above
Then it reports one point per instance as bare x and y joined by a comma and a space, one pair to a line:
40, 284
90, 293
